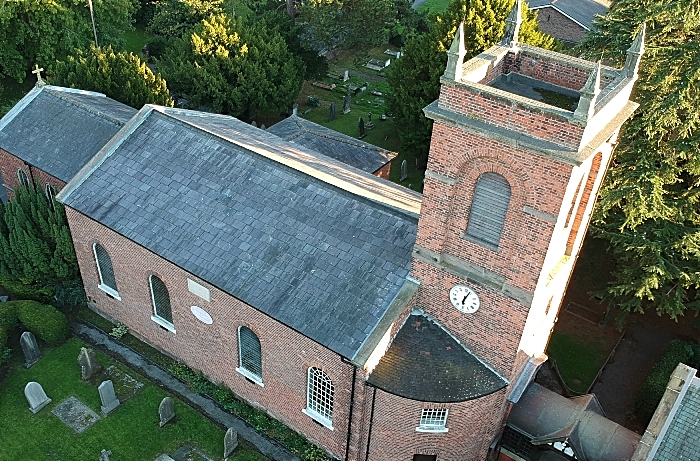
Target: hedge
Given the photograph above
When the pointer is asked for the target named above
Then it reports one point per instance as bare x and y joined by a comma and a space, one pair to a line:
654, 386
46, 322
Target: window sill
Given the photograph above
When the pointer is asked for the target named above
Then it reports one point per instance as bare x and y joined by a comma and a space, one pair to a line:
164, 323
318, 418
435, 430
484, 244
256, 379
110, 291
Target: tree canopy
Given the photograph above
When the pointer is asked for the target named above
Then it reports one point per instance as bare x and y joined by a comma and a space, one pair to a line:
415, 78
172, 18
120, 75
232, 69
648, 207
41, 31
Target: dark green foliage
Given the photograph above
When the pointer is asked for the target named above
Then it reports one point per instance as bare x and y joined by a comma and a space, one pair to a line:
46, 322
415, 78
174, 18
119, 75
40, 32
35, 244
8, 320
157, 46
231, 69
34, 291
654, 386
6, 355
649, 205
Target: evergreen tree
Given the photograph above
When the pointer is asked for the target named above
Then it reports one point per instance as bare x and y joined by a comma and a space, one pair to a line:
120, 75
173, 18
415, 78
648, 207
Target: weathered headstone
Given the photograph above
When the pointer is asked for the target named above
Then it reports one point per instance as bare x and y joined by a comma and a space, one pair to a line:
230, 442
108, 397
404, 171
295, 109
30, 348
88, 363
369, 125
165, 411
346, 75
36, 396
254, 123
4, 299
346, 103
105, 455
361, 128
263, 127
332, 114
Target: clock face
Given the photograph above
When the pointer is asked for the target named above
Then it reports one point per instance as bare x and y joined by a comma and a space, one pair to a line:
464, 299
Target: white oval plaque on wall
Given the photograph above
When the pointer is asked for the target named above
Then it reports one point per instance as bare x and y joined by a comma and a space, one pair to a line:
202, 315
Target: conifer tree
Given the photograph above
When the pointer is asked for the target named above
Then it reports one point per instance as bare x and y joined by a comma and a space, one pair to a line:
648, 207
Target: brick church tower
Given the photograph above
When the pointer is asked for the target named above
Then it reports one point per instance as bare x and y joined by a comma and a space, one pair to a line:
521, 141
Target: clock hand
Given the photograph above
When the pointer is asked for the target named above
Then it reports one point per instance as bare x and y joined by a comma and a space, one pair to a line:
464, 299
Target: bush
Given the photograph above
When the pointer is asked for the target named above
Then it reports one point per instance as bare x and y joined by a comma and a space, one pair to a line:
46, 322
654, 386
35, 292
8, 317
3, 338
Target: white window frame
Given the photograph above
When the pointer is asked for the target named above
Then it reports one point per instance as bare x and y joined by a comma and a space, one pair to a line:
50, 194
155, 317
26, 178
433, 420
244, 371
310, 391
106, 288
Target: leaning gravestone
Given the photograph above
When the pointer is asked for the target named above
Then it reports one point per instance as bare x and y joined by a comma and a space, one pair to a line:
404, 171
165, 410
230, 442
30, 348
346, 75
108, 397
88, 363
36, 396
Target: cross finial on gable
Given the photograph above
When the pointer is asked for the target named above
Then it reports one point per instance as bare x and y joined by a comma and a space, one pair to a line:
37, 71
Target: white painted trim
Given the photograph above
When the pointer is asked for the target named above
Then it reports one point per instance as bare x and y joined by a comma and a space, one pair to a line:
441, 430
318, 418
198, 289
164, 323
109, 290
256, 379
106, 288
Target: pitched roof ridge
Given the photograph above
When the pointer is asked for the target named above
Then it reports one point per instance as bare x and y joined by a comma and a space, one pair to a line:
344, 138
56, 92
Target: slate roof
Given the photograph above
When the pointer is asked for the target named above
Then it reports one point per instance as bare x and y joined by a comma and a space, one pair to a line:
329, 142
581, 11
681, 441
316, 257
58, 130
546, 417
425, 363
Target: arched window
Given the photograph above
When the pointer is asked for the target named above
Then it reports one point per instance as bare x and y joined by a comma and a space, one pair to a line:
489, 208
23, 178
249, 355
319, 397
50, 194
108, 283
161, 302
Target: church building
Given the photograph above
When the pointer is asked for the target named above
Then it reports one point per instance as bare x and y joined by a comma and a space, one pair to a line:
381, 323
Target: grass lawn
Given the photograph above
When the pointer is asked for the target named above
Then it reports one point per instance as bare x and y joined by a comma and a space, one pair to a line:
135, 40
356, 59
435, 6
131, 431
578, 359
11, 92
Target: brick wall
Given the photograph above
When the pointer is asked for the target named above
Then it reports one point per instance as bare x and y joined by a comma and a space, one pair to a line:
9, 164
213, 349
552, 22
384, 171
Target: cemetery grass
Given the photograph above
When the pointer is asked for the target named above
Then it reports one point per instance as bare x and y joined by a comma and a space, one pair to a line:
355, 59
435, 6
131, 431
135, 41
578, 359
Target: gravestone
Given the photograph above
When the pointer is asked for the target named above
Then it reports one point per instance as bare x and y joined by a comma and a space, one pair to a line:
230, 442
165, 411
254, 123
108, 397
369, 125
346, 103
346, 76
4, 299
105, 455
75, 414
36, 396
88, 363
30, 348
404, 171
295, 109
263, 127
332, 114
361, 128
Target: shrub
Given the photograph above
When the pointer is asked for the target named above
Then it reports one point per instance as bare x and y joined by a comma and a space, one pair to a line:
119, 331
35, 292
6, 355
3, 338
46, 322
654, 386
8, 317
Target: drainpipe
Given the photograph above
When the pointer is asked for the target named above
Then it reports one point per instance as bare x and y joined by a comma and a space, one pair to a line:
371, 421
352, 404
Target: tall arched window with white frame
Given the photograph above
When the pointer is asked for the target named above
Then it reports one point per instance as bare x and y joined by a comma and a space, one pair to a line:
50, 195
108, 282
249, 355
162, 311
23, 178
319, 397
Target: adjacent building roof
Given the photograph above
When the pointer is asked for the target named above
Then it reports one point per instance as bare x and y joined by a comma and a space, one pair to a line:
320, 246
59, 129
580, 11
425, 363
329, 142
547, 417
